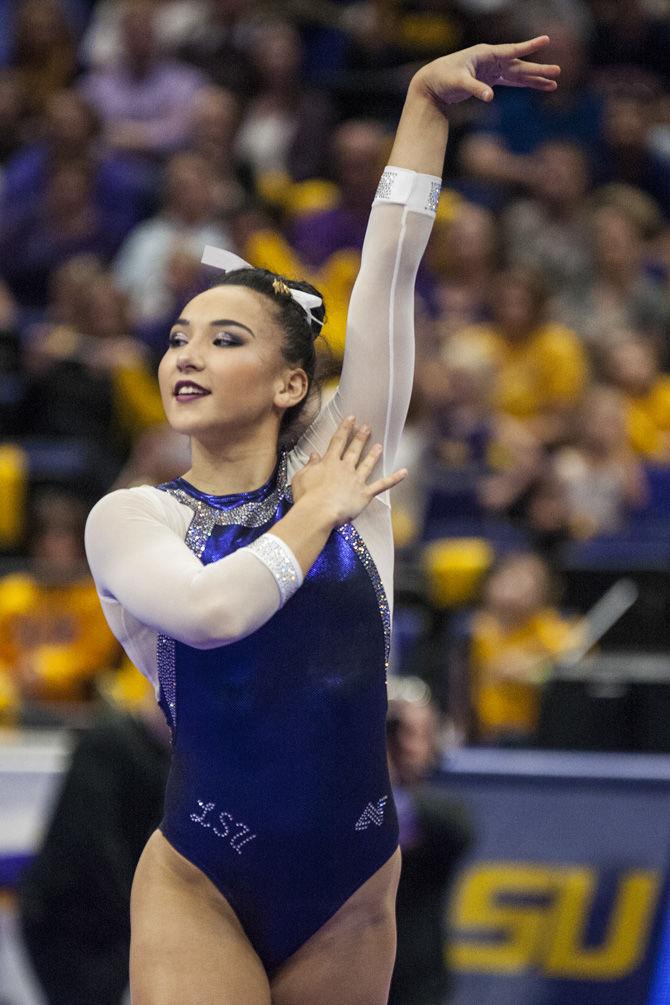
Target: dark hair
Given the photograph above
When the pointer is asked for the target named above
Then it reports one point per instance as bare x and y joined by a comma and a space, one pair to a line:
300, 333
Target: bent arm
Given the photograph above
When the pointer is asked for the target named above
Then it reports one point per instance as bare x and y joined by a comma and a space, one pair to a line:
142, 563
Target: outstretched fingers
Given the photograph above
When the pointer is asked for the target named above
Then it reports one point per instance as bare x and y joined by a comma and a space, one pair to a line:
520, 73
534, 82
383, 484
517, 50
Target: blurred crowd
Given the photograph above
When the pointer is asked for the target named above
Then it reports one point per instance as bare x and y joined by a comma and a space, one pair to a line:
134, 132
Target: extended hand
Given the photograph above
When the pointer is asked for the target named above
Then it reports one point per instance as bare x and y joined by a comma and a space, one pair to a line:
338, 481
473, 72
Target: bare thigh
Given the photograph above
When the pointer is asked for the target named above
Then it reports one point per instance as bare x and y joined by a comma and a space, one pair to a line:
187, 946
350, 959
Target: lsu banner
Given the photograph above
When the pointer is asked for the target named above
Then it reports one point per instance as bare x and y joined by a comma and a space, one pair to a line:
563, 899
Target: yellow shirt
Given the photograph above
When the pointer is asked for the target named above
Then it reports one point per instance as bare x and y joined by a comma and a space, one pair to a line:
60, 629
500, 704
546, 370
137, 399
649, 421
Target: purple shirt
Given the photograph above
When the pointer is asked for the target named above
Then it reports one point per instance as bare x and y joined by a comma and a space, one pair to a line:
161, 100
317, 237
122, 186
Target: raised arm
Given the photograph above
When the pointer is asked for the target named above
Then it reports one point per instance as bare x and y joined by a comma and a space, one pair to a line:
378, 366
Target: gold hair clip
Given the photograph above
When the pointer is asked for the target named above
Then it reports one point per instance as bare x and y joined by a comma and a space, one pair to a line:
279, 286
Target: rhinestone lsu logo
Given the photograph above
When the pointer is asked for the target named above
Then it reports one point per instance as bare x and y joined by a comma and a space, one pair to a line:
372, 814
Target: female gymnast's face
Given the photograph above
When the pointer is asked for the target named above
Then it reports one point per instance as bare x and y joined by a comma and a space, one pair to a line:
223, 371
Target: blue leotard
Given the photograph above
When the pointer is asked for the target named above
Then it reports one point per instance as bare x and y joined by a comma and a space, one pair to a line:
278, 789
279, 749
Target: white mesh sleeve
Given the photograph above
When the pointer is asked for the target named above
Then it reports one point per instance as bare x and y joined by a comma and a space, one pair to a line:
138, 560
378, 367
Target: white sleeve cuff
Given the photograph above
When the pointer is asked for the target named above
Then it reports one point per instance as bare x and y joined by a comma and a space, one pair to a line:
276, 556
419, 192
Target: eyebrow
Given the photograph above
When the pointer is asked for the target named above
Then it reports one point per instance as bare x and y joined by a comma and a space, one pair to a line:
217, 324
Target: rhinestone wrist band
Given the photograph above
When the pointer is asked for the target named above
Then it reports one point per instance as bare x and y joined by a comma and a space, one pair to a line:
419, 192
276, 556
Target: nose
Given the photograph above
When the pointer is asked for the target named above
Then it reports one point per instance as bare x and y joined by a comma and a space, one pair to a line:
188, 360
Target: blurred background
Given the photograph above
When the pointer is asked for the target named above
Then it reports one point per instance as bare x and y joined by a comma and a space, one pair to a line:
529, 725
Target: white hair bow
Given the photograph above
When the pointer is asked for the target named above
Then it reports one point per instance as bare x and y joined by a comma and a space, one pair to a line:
218, 258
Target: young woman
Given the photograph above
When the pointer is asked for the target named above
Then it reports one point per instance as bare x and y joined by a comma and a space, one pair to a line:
255, 592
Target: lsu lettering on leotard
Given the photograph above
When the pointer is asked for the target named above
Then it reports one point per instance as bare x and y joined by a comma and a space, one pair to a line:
278, 788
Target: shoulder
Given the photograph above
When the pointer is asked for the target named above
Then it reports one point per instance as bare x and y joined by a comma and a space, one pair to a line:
143, 502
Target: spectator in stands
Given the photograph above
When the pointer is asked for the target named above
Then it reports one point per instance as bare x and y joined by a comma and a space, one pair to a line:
545, 229
324, 244
91, 381
37, 237
175, 24
74, 898
66, 309
44, 52
462, 255
435, 833
69, 132
158, 455
484, 458
221, 45
629, 156
540, 367
54, 639
185, 223
215, 118
629, 34
501, 152
358, 149
601, 476
143, 100
632, 364
284, 126
515, 636
618, 293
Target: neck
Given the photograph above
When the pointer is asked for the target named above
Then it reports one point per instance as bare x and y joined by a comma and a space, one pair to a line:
240, 466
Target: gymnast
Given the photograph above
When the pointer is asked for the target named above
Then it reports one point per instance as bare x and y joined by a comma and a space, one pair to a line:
255, 593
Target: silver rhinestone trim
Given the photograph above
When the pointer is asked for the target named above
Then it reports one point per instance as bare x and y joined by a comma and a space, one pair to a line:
249, 514
354, 539
167, 677
386, 184
205, 518
433, 196
274, 554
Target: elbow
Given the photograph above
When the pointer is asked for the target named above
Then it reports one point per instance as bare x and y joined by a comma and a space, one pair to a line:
216, 626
